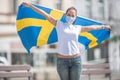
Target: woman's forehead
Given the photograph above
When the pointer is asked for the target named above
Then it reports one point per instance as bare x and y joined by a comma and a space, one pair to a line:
71, 12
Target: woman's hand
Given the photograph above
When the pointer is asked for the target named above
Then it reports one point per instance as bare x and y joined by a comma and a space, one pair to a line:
26, 4
107, 27
41, 12
95, 27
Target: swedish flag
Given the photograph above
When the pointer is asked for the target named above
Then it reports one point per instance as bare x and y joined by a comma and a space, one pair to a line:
34, 30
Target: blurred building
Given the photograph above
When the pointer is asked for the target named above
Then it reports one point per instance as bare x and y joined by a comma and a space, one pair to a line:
106, 11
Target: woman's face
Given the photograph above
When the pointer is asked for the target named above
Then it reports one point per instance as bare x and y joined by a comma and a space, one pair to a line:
71, 16
71, 13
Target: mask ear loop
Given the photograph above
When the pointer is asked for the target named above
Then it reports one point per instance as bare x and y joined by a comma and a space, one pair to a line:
74, 21
65, 17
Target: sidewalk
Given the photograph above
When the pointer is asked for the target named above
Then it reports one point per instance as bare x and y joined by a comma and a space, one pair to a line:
94, 77
115, 76
52, 75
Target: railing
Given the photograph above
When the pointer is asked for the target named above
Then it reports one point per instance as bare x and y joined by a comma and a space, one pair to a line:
8, 35
7, 18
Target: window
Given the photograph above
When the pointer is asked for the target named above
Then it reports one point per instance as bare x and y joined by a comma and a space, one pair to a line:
88, 11
13, 6
3, 58
52, 46
90, 55
101, 12
88, 0
3, 54
58, 4
22, 58
104, 49
51, 59
35, 1
101, 9
88, 8
101, 1
98, 10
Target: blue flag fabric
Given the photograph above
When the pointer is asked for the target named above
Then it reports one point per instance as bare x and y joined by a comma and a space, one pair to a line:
34, 30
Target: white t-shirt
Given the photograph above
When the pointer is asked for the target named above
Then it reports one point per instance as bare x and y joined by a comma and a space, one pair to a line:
68, 38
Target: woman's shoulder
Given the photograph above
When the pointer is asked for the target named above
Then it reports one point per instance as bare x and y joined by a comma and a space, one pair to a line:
59, 23
77, 25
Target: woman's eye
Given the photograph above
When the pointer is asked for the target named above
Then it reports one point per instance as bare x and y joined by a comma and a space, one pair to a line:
73, 15
68, 14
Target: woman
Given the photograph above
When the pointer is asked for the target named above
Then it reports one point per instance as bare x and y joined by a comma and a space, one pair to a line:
68, 57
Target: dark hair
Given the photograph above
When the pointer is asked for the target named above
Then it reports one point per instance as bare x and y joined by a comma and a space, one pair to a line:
71, 8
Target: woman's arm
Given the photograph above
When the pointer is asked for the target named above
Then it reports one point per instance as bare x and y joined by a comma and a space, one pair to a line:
94, 27
43, 13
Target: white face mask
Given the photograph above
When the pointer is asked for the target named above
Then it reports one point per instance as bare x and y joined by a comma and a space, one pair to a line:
69, 19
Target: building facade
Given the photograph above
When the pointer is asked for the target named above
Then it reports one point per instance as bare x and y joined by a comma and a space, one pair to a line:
106, 11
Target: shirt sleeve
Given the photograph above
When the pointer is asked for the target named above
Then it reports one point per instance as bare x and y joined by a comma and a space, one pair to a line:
58, 24
79, 28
